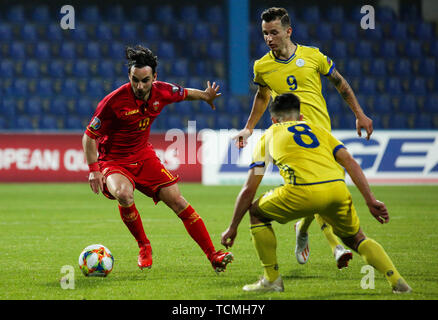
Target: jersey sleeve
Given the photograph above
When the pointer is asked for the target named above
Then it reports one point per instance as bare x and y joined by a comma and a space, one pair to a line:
173, 93
334, 143
260, 156
258, 79
101, 121
325, 64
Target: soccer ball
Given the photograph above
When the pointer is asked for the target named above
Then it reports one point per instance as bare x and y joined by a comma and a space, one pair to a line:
96, 260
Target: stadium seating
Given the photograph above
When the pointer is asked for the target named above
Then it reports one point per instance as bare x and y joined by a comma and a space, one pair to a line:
52, 78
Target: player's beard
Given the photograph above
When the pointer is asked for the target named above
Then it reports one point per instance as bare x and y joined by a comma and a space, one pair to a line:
140, 94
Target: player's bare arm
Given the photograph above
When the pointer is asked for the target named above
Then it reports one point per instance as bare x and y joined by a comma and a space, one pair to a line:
243, 203
208, 95
344, 89
260, 103
95, 178
376, 207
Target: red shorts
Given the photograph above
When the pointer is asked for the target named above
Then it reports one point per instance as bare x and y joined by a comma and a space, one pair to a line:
147, 176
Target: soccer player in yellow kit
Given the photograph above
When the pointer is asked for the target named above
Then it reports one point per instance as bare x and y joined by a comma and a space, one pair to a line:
290, 67
308, 157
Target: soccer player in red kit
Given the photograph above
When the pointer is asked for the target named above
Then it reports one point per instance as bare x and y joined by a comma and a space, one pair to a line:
121, 159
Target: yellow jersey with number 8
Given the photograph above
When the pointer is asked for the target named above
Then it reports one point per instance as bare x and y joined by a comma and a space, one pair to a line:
304, 153
300, 74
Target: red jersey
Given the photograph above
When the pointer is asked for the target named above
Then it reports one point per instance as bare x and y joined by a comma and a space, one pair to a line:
121, 123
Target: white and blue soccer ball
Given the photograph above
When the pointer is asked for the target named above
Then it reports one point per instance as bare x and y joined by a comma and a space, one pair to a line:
96, 260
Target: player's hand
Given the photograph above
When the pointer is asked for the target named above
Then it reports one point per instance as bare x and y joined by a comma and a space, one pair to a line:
364, 123
211, 93
241, 139
379, 211
96, 180
228, 237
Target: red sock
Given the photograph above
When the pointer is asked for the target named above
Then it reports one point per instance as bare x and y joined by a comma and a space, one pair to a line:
132, 220
197, 230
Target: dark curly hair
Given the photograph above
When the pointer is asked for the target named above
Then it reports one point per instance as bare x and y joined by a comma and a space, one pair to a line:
140, 57
285, 103
275, 13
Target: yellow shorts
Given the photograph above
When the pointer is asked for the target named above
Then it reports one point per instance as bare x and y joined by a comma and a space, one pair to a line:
332, 201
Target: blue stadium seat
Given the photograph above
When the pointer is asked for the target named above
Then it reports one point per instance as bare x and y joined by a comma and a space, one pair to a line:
427, 67
377, 121
114, 13
104, 32
5, 32
382, 104
7, 68
23, 123
79, 33
174, 121
324, 31
189, 13
95, 88
215, 14
140, 11
195, 82
339, 49
18, 50
386, 14
374, 34
116, 50
33, 107
311, 14
399, 31
354, 68
8, 108
45, 88
92, 50
54, 33
29, 32
129, 32
58, 107
431, 103
393, 86
56, 69
16, 14
19, 87
216, 50
403, 67
418, 86
151, 32
408, 104
180, 67
42, 50
74, 123
201, 31
81, 68
335, 14
166, 50
233, 106
184, 108
368, 86
363, 49
164, 14
4, 123
300, 32
398, 121
40, 14
223, 121
48, 122
413, 49
334, 103
106, 68
378, 67
424, 31
350, 31
70, 87
389, 49
90, 14
423, 121
68, 50
84, 107
347, 121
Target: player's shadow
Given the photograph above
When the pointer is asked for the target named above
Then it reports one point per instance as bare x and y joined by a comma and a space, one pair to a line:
301, 274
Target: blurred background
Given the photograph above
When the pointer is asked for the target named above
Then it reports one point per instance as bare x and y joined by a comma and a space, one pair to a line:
52, 79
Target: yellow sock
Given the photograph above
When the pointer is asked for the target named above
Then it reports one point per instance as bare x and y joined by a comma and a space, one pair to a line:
264, 240
375, 255
328, 232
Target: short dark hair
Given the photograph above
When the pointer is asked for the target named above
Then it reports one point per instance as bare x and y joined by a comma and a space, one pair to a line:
275, 13
285, 104
140, 57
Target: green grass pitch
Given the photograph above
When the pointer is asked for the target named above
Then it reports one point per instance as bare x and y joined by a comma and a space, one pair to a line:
44, 227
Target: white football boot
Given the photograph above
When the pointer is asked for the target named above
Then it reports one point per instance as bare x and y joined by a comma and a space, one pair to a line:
401, 287
342, 256
302, 251
263, 285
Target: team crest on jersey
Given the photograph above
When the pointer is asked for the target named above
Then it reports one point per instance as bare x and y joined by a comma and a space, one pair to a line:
300, 62
95, 124
156, 104
329, 61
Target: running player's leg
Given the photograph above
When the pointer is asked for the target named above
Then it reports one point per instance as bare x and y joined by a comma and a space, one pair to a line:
122, 189
194, 225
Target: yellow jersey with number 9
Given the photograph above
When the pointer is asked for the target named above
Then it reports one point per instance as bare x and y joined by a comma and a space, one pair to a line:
304, 153
300, 74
